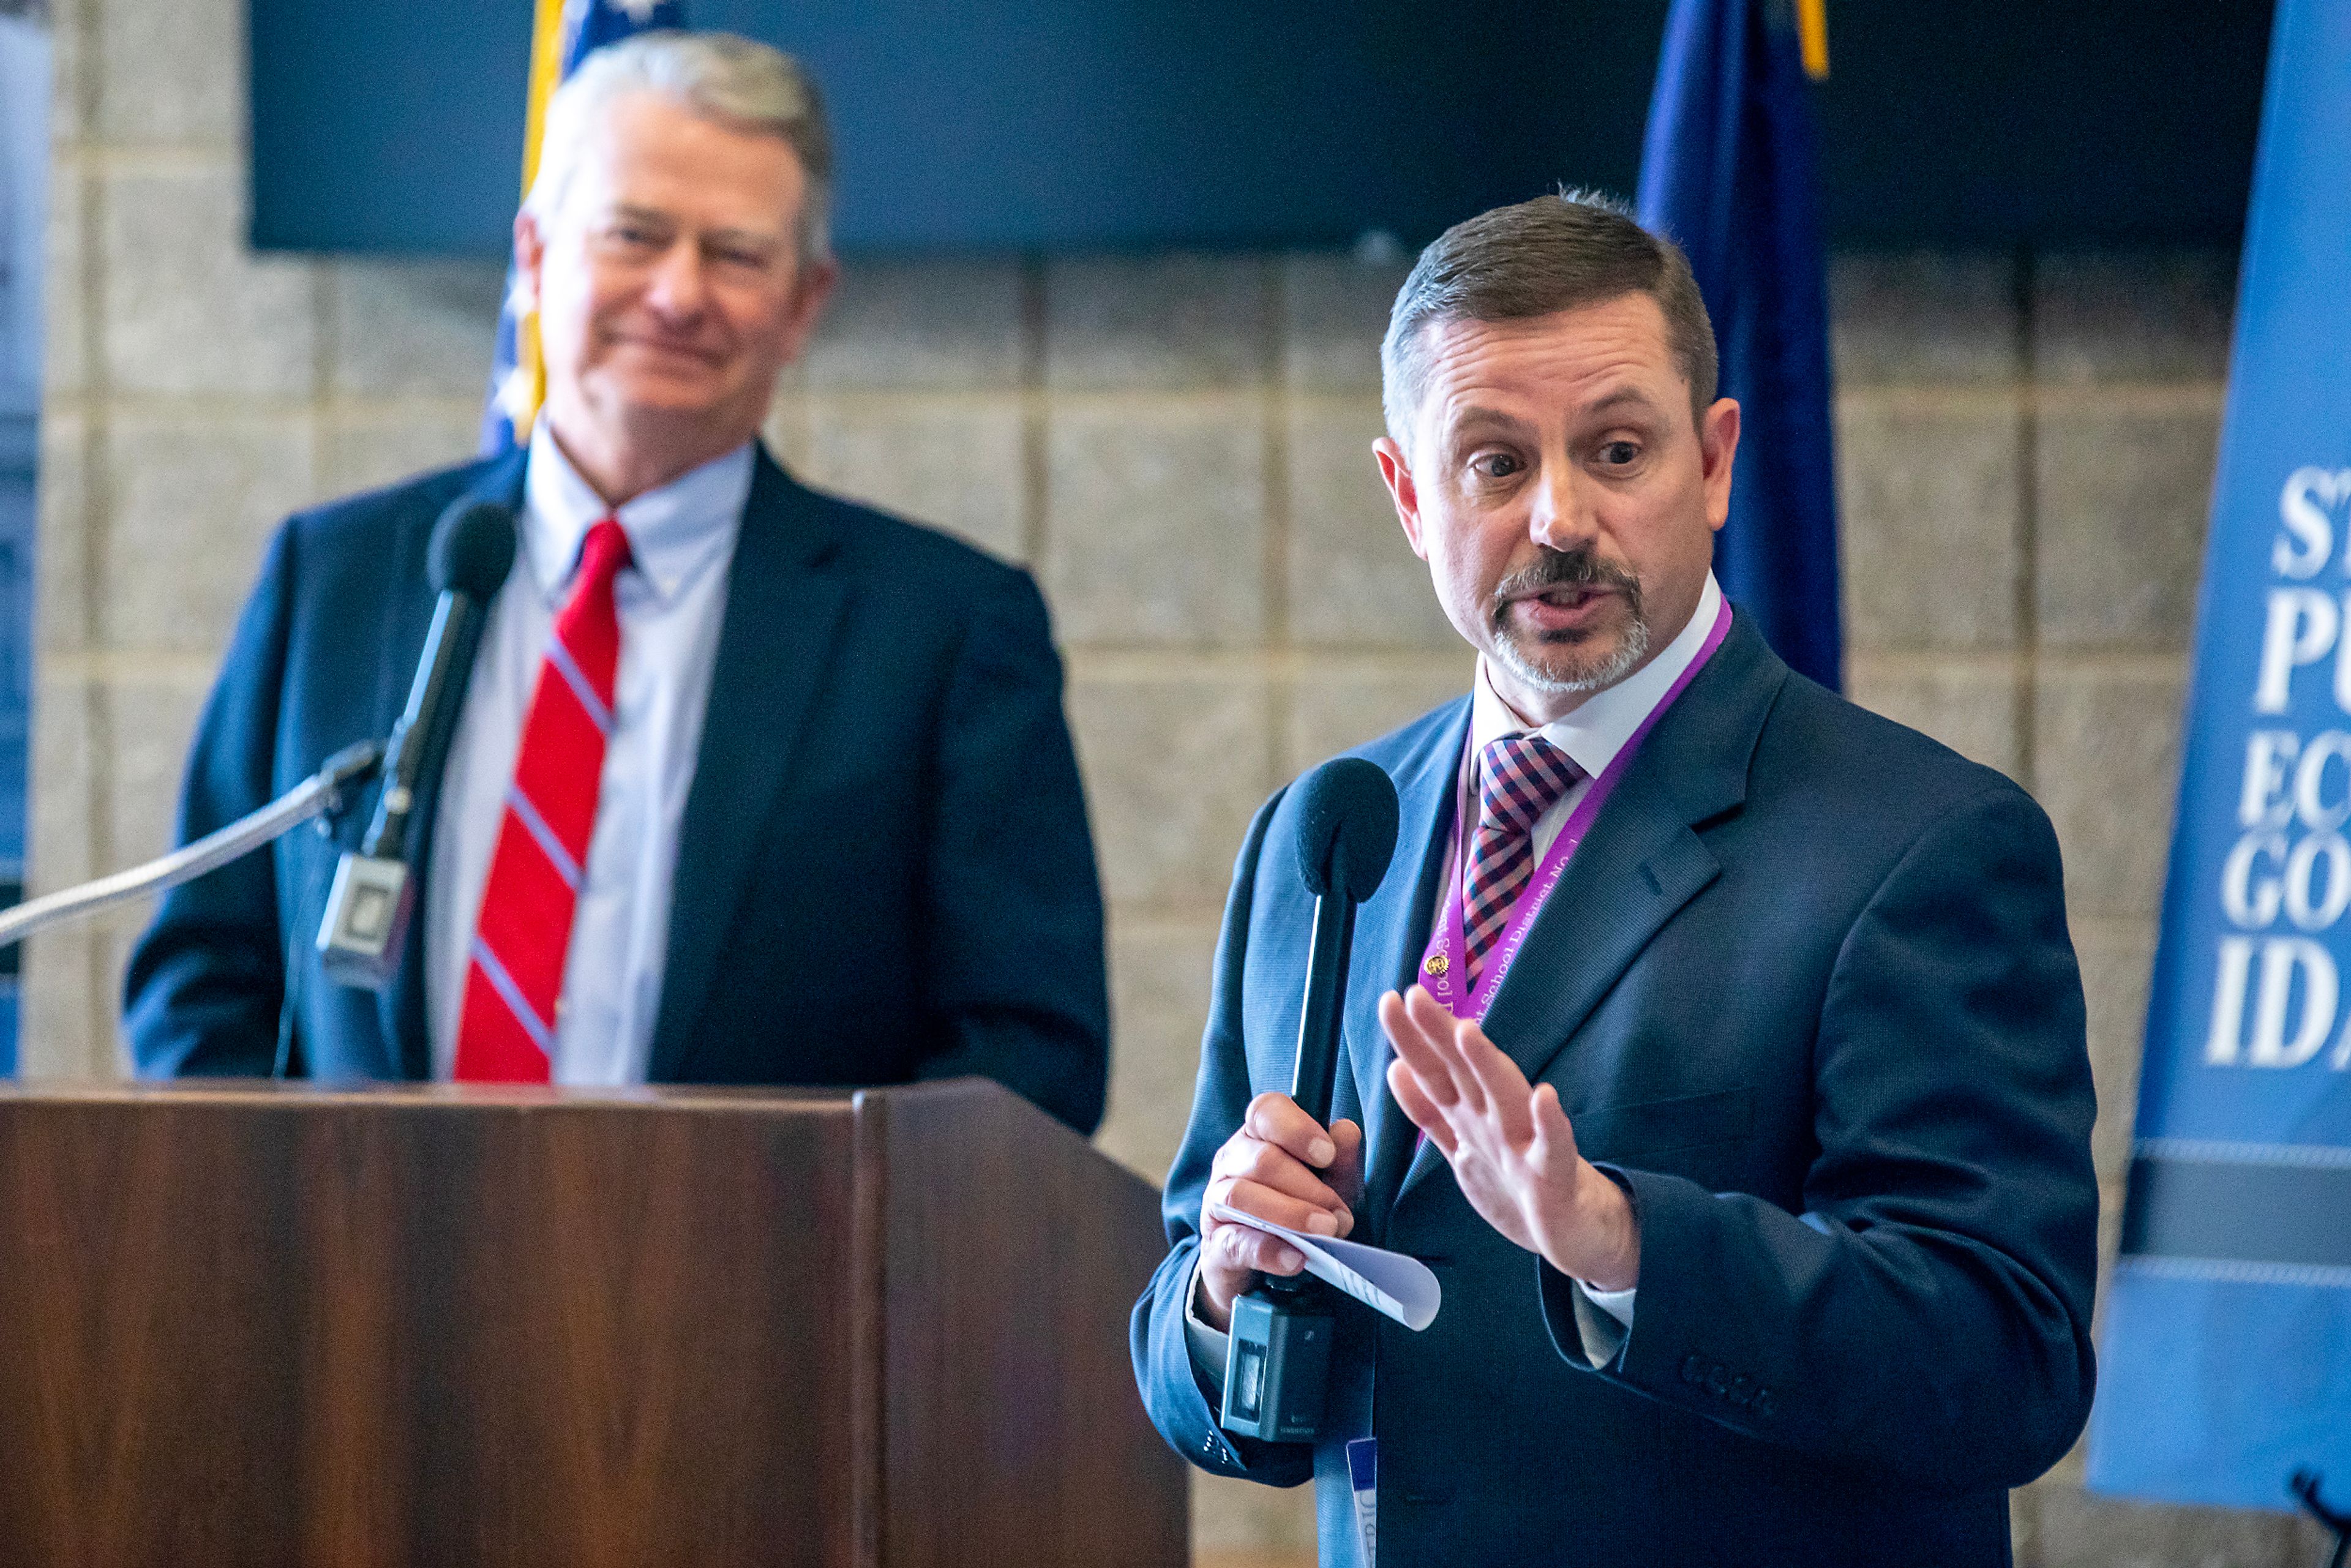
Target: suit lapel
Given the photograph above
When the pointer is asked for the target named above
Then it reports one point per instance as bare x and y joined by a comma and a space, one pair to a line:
1640, 864
773, 648
408, 616
1391, 931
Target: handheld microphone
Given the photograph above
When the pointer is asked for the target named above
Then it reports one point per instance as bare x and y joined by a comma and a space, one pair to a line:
371, 903
1277, 1357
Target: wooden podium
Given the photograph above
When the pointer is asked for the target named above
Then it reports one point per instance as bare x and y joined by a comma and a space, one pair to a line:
265, 1324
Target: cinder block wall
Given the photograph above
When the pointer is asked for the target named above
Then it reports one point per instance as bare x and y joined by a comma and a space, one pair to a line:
1177, 445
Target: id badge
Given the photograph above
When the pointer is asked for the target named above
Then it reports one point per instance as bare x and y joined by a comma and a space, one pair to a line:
1363, 1481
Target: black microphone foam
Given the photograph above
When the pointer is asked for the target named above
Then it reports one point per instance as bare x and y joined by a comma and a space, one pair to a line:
1349, 800
473, 549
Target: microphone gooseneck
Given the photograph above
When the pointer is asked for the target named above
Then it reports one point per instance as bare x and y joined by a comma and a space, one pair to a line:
472, 551
368, 909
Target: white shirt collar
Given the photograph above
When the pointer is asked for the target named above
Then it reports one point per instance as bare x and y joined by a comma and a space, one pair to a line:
1601, 725
675, 532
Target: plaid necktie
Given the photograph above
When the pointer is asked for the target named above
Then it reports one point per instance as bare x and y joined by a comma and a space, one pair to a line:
1519, 777
506, 1033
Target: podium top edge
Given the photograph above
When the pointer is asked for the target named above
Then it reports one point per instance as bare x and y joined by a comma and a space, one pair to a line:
267, 1093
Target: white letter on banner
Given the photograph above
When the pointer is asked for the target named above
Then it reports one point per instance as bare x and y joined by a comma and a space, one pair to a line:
2303, 508
2263, 804
2280, 956
2301, 868
2310, 779
2249, 903
2302, 626
2229, 1001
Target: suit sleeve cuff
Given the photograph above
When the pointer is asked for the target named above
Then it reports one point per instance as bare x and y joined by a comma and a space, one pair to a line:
1208, 1347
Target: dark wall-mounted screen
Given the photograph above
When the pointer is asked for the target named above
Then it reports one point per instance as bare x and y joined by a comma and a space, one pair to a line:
1091, 124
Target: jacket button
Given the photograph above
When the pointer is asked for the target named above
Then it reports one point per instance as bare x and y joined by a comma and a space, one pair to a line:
1741, 1390
1763, 1405
1717, 1381
1693, 1370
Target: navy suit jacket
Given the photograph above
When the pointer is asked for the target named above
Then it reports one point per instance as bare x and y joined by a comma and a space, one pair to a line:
884, 871
1806, 989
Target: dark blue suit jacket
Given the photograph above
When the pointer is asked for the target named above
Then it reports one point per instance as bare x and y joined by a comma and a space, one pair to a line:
1807, 988
884, 873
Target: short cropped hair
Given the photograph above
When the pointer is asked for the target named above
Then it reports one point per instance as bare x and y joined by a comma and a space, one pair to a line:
736, 81
1556, 253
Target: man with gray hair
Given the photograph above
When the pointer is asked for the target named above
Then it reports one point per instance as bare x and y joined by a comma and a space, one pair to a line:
748, 784
1717, 1044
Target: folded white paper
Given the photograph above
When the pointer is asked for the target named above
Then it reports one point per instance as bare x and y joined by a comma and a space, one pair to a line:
1385, 1281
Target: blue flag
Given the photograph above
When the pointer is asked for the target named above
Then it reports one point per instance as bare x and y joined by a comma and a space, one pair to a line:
1727, 169
565, 32
2227, 1359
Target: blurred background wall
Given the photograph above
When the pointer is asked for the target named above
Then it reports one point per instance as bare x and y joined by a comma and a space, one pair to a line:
1177, 445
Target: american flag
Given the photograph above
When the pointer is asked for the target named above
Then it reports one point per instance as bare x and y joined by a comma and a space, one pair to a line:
564, 32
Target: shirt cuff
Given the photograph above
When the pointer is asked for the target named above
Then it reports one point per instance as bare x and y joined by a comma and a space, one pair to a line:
1617, 1304
1209, 1347
1604, 1320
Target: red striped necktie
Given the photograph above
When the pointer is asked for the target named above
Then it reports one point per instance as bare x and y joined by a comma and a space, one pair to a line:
1519, 777
514, 974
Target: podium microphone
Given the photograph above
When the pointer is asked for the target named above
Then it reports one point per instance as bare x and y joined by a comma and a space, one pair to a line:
371, 903
1277, 1358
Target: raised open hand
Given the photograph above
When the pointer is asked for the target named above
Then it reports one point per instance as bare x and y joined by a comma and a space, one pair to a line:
1511, 1147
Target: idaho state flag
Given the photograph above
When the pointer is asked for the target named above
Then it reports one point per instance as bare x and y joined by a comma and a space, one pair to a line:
565, 32
1727, 171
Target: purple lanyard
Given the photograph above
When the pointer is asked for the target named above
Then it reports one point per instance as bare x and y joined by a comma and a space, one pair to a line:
1442, 965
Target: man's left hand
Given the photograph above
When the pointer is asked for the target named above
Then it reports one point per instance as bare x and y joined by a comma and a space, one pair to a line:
1510, 1146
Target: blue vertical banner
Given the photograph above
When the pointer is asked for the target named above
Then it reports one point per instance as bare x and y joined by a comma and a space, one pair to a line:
1728, 170
2227, 1356
24, 184
564, 32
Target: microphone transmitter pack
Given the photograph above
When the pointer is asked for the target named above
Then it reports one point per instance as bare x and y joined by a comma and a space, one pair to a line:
1278, 1352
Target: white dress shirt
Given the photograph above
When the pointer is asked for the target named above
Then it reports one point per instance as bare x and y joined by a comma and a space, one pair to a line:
670, 599
1593, 735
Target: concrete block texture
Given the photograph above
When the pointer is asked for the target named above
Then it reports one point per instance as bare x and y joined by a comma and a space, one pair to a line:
68, 103
418, 329
149, 723
2106, 767
172, 74
2116, 957
187, 309
1158, 322
65, 1007
2132, 315
190, 501
1929, 317
1154, 522
66, 760
1175, 764
1334, 311
61, 555
65, 329
1973, 707
939, 326
2124, 492
1928, 496
1353, 579
1239, 1521
389, 442
1334, 703
958, 464
2075, 1528
1159, 971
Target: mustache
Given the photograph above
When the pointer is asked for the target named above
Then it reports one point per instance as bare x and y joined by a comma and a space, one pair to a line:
1580, 567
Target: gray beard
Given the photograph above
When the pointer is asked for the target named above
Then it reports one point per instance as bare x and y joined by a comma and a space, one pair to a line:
1628, 653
